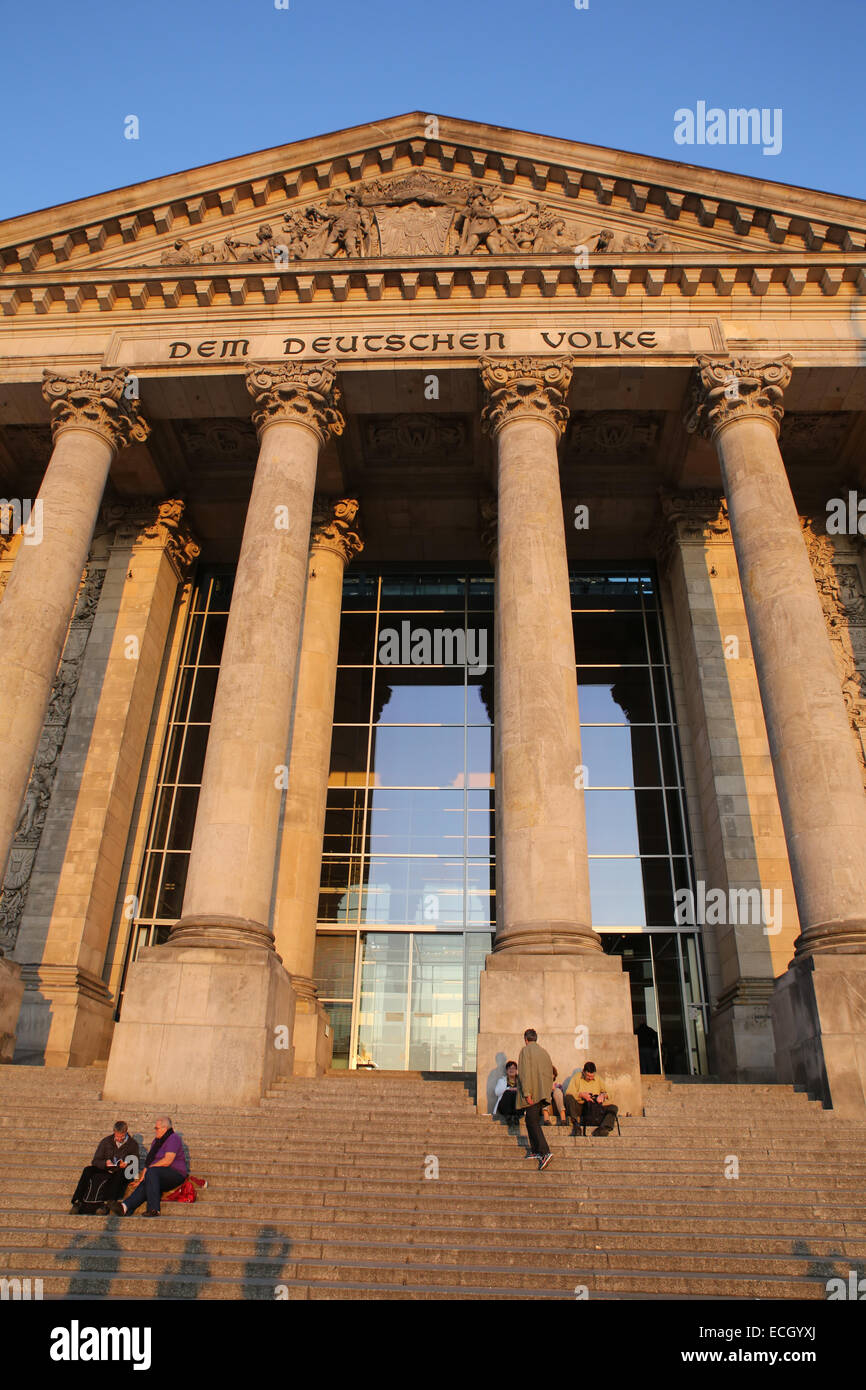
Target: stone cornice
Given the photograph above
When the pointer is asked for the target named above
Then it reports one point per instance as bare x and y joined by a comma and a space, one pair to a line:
95, 401
736, 388
525, 387
333, 527
504, 279
298, 392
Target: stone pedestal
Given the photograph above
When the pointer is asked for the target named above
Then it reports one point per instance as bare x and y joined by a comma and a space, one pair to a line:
580, 1006
202, 1025
11, 991
819, 1018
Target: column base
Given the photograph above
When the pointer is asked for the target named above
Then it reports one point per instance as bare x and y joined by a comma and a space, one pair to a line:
313, 1038
67, 1017
833, 938
11, 991
549, 939
741, 1042
202, 1025
819, 1021
220, 931
558, 997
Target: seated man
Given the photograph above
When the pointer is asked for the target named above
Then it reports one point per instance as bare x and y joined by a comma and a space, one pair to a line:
164, 1168
105, 1177
506, 1096
587, 1088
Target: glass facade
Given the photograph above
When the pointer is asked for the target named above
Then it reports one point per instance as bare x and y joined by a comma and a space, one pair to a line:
407, 901
159, 896
407, 905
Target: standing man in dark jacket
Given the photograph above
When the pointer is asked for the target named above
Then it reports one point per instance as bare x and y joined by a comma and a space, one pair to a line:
534, 1088
106, 1177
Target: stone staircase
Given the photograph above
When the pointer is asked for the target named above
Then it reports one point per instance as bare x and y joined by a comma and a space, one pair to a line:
321, 1193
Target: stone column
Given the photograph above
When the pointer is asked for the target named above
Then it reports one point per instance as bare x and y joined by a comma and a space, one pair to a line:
548, 970
68, 1011
333, 544
210, 1015
90, 420
819, 1013
746, 863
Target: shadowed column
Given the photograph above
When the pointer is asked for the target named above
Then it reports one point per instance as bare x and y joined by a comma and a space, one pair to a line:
333, 544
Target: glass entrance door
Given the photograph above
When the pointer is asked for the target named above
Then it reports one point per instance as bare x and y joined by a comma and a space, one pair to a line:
413, 989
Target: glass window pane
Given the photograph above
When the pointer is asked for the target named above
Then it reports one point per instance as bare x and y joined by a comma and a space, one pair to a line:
430, 757
170, 899
340, 1019
192, 761
423, 592
339, 894
479, 697
480, 892
384, 1001
201, 705
611, 696
604, 638
620, 757
479, 753
360, 591
348, 756
185, 682
419, 695
416, 822
213, 639
183, 820
352, 696
626, 822
193, 640
616, 893
357, 633
344, 822
334, 967
414, 892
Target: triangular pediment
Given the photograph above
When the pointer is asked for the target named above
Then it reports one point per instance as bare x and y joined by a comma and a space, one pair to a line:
415, 187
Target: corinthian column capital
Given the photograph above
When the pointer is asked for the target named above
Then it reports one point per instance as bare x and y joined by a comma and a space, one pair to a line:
333, 527
525, 386
94, 401
736, 388
296, 392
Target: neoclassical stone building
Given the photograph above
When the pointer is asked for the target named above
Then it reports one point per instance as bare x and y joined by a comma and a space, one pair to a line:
433, 604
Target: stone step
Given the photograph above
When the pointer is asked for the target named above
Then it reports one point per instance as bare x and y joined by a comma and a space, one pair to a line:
217, 1221
108, 1236
367, 1279
279, 1257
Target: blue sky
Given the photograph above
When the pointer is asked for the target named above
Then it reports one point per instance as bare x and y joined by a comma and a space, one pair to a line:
208, 81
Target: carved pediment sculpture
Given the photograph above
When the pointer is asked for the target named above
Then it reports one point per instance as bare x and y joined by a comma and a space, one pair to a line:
415, 215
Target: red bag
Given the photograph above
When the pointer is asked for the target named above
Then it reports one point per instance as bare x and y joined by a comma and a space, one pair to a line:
186, 1191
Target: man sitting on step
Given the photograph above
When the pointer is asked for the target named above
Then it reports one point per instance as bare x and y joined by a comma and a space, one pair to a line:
164, 1168
105, 1178
586, 1089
